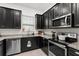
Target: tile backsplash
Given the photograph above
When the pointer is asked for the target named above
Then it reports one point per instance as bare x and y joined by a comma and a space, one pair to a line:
70, 30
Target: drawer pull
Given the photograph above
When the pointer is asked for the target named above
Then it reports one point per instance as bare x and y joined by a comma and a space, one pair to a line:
77, 53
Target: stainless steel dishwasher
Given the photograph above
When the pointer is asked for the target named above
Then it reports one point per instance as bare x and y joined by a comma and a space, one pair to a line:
13, 46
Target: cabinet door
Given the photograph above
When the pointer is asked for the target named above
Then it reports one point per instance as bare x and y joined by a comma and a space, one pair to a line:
45, 45
56, 10
40, 42
51, 17
38, 21
9, 18
28, 44
17, 19
61, 9
2, 17
1, 48
34, 42
51, 13
42, 22
46, 22
76, 14
66, 8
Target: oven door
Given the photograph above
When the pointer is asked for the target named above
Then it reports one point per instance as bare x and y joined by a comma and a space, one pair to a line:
56, 49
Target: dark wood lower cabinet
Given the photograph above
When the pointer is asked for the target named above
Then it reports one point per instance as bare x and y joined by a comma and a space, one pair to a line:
1, 48
28, 44
40, 41
45, 46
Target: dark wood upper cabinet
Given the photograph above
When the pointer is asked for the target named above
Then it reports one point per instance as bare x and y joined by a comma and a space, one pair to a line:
10, 18
56, 11
76, 14
46, 20
2, 17
61, 9
61, 15
66, 8
17, 19
39, 21
51, 16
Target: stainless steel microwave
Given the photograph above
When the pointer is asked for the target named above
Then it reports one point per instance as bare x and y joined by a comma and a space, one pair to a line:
63, 21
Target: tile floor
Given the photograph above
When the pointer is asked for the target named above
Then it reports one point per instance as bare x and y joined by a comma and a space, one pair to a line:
37, 52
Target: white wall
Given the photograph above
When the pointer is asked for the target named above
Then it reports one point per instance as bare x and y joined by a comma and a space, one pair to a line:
25, 11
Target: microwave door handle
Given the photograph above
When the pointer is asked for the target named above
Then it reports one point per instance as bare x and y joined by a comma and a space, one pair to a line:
66, 20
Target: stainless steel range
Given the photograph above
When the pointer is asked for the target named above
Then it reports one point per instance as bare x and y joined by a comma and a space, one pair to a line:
56, 49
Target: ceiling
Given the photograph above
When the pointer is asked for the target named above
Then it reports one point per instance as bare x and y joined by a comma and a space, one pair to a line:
38, 6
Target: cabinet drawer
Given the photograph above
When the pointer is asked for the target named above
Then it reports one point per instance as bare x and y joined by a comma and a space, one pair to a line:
73, 52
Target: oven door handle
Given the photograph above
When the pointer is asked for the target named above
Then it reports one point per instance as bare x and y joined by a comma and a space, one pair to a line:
66, 20
77, 53
59, 45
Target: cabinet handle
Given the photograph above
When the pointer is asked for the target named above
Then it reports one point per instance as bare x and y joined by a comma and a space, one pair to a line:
77, 53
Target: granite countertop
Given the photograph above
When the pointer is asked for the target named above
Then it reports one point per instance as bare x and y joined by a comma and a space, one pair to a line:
15, 36
73, 45
22, 35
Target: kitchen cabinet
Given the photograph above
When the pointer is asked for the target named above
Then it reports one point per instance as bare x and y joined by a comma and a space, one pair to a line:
10, 18
28, 44
51, 16
12, 46
46, 20
39, 21
56, 10
1, 48
39, 41
72, 52
45, 46
61, 9
63, 16
2, 17
17, 19
76, 14
66, 8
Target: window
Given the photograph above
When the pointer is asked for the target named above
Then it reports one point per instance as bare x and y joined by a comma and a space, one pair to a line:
28, 23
